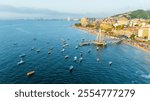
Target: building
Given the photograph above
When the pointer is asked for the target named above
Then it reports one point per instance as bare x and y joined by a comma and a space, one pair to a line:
144, 32
84, 22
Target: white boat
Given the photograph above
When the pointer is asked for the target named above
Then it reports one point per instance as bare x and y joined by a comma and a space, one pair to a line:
30, 73
71, 68
97, 59
63, 50
66, 57
49, 52
20, 62
110, 63
38, 50
80, 59
75, 58
32, 48
97, 48
76, 47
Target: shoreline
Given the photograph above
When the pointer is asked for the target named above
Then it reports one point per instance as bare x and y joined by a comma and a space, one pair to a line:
127, 42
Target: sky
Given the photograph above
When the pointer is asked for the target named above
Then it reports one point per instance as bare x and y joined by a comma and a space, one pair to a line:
82, 6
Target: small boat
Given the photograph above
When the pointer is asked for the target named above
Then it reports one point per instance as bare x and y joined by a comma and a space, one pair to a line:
49, 52
66, 57
110, 63
20, 62
81, 54
30, 73
22, 55
80, 59
75, 58
76, 47
32, 48
63, 50
97, 48
97, 60
71, 68
66, 44
38, 50
89, 51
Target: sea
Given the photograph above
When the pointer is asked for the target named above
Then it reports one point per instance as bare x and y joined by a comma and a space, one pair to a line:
130, 65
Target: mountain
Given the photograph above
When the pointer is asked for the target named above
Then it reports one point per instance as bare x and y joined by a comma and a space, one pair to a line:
136, 14
11, 12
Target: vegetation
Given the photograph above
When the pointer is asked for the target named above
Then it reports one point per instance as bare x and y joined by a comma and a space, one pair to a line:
78, 24
132, 37
106, 27
136, 14
140, 14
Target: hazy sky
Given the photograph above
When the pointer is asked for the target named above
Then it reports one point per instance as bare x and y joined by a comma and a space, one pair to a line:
82, 6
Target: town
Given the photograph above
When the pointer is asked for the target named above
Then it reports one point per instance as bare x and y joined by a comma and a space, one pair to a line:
136, 31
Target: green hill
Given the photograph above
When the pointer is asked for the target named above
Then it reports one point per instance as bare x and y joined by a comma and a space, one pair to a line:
136, 14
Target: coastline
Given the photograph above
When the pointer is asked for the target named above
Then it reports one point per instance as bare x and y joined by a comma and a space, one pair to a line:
127, 42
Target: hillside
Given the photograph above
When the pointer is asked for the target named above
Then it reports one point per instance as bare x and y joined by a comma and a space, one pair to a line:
136, 14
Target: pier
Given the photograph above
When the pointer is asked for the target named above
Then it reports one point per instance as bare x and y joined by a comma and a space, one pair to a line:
99, 41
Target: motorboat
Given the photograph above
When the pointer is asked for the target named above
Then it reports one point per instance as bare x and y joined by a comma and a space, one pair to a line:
20, 62
110, 63
76, 47
38, 50
49, 52
71, 68
30, 73
80, 59
75, 58
63, 50
89, 51
97, 59
66, 57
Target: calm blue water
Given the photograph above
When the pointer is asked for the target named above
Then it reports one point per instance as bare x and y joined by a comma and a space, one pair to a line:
130, 65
